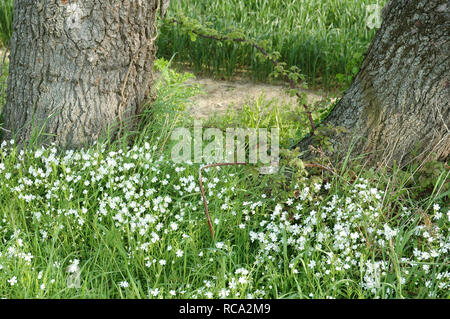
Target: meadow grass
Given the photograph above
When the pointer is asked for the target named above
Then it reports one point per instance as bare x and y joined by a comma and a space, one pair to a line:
121, 220
6, 14
325, 39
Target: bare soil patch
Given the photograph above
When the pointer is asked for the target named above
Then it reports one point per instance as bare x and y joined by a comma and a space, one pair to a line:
221, 95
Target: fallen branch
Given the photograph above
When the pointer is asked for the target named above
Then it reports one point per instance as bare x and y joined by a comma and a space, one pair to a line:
203, 191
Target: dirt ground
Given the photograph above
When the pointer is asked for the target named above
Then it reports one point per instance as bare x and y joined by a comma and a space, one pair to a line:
221, 95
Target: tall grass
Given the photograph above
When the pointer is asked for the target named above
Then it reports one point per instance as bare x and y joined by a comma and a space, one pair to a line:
326, 39
119, 221
323, 38
6, 15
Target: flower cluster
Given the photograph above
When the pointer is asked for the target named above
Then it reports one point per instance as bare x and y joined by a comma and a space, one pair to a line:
64, 214
350, 236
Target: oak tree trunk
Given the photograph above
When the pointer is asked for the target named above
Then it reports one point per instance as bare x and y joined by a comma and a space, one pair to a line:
399, 101
77, 67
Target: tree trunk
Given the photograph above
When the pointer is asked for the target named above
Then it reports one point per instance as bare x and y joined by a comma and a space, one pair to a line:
77, 67
399, 101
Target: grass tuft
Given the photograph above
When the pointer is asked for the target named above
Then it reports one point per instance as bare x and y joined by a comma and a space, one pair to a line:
6, 16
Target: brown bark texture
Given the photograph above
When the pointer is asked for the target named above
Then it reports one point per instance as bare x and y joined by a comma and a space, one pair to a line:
78, 67
397, 108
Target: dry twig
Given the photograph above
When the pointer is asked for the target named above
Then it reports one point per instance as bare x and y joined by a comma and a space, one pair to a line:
203, 191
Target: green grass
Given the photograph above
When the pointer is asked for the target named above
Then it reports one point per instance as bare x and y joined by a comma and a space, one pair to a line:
323, 38
121, 220
6, 14
292, 120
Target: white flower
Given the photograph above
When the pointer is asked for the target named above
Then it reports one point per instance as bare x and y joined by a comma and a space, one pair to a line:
388, 232
437, 215
242, 271
13, 281
124, 284
179, 253
223, 293
154, 292
39, 153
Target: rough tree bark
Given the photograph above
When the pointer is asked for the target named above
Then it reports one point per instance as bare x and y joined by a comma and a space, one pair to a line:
77, 67
399, 101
